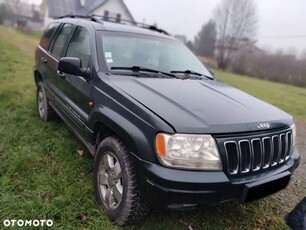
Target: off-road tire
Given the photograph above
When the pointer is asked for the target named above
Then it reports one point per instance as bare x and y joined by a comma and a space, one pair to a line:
131, 208
44, 109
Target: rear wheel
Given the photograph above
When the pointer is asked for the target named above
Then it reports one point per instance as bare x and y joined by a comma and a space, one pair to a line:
44, 109
115, 183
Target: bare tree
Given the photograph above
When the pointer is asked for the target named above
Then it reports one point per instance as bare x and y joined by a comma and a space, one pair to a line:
303, 55
12, 7
235, 19
3, 13
278, 66
205, 40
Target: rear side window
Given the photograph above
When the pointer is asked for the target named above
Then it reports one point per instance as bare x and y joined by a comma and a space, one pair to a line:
45, 40
61, 40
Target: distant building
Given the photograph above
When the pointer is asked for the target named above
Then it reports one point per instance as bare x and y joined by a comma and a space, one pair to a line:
109, 8
234, 47
180, 37
23, 15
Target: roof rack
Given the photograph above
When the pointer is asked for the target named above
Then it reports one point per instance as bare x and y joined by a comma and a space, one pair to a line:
100, 19
91, 18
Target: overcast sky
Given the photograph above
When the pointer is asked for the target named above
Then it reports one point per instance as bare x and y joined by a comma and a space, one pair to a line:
282, 23
279, 20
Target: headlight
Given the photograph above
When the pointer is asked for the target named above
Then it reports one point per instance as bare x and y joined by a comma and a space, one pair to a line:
293, 128
188, 151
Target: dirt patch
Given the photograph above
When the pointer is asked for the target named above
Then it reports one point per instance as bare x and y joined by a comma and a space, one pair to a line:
296, 190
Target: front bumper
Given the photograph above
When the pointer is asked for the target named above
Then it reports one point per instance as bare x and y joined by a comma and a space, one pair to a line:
163, 187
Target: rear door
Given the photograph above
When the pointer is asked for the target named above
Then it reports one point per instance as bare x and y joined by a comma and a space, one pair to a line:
55, 81
42, 52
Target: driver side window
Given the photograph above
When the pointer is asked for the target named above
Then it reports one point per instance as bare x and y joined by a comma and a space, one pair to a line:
79, 46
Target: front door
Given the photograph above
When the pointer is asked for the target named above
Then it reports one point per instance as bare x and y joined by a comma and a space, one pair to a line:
76, 88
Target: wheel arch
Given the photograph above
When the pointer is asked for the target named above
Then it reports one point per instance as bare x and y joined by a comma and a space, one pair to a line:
104, 129
107, 122
37, 77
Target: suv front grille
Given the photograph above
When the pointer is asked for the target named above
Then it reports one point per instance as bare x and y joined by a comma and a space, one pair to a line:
249, 154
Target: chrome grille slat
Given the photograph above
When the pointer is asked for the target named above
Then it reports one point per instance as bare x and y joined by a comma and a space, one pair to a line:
246, 155
289, 144
284, 146
232, 162
267, 150
257, 154
245, 159
281, 149
275, 150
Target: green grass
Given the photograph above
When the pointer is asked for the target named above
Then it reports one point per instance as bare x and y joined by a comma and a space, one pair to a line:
43, 176
289, 98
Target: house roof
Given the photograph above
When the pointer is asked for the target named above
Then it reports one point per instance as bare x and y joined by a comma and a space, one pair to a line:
63, 7
90, 6
66, 7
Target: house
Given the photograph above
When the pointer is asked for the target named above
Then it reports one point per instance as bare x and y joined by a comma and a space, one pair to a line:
181, 37
232, 47
107, 8
23, 15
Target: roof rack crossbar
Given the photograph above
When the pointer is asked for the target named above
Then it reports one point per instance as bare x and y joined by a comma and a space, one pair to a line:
92, 18
100, 19
74, 16
134, 23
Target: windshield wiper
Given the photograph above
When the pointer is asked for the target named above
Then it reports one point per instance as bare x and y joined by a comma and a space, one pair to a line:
140, 68
191, 72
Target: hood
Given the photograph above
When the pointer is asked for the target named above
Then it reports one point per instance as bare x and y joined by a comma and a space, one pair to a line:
202, 106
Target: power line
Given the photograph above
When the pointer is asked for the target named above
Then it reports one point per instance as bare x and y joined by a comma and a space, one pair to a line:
283, 37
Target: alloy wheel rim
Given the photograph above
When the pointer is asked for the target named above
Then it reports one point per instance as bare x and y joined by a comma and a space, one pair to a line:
110, 181
41, 103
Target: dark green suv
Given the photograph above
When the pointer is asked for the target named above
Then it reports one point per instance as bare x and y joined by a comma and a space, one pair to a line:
163, 131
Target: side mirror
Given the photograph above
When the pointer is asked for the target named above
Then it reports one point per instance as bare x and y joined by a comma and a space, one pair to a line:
73, 66
211, 72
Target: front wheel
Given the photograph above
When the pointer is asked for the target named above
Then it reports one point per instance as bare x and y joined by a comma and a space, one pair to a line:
115, 183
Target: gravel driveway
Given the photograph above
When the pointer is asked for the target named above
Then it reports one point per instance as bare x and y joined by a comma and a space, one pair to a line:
296, 190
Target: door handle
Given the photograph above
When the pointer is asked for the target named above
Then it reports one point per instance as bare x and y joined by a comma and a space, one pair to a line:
44, 60
61, 74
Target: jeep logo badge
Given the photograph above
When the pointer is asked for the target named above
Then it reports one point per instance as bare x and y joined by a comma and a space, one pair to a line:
263, 125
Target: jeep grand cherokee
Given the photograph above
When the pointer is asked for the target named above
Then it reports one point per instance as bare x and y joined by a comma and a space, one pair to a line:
163, 131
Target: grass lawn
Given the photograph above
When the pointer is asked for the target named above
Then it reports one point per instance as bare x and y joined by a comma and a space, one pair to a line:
289, 98
43, 176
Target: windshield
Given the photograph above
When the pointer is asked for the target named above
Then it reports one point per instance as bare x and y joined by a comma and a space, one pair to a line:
149, 52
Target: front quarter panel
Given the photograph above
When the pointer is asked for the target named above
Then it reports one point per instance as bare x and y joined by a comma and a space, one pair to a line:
130, 120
